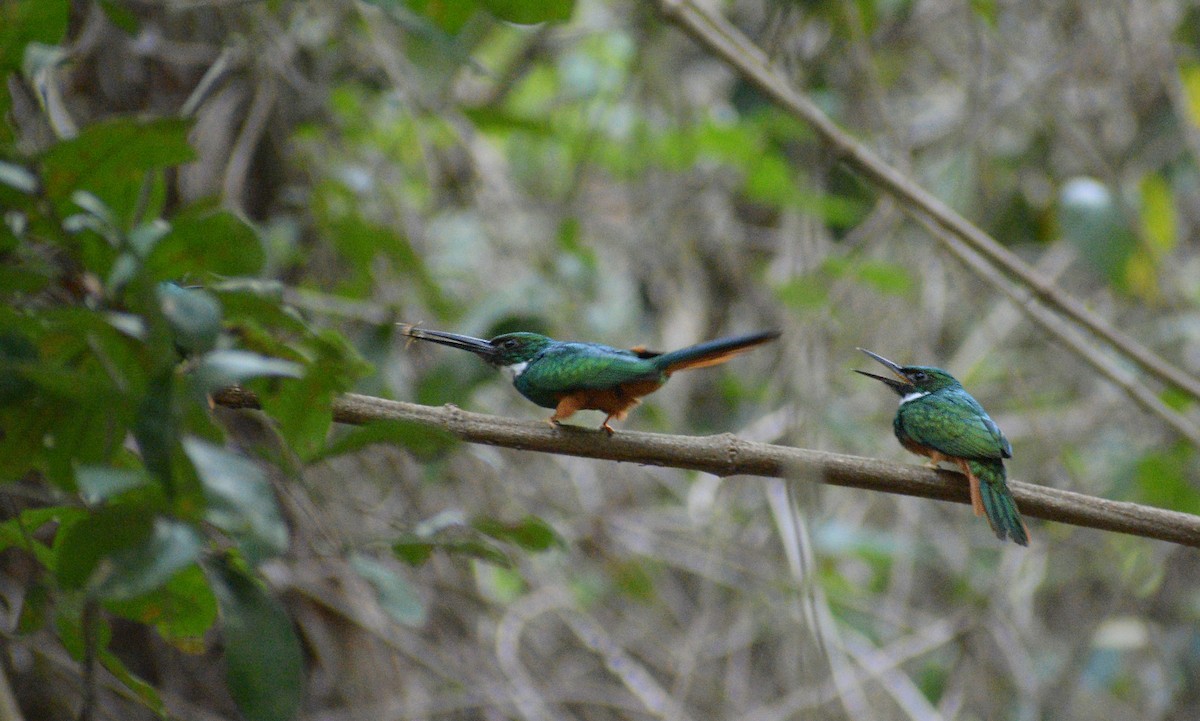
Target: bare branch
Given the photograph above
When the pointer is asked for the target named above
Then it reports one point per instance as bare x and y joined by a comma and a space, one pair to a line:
1067, 335
728, 455
723, 39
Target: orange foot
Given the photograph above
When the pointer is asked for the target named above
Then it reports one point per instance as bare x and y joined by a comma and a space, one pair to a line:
567, 407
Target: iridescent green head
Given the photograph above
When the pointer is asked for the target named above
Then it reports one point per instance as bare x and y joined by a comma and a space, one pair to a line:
912, 381
510, 349
515, 348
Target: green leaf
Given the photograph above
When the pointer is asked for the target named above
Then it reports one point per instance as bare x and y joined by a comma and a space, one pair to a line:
182, 610
1163, 479
240, 500
986, 10
120, 15
17, 354
26, 21
35, 607
1189, 76
499, 584
529, 12
396, 596
155, 427
82, 545
447, 532
804, 293
428, 38
223, 368
68, 622
146, 692
171, 547
447, 16
1158, 234
264, 668
769, 180
1158, 215
255, 311
111, 158
203, 241
422, 440
193, 314
413, 550
302, 407
100, 483
530, 533
887, 278
634, 578
18, 532
303, 410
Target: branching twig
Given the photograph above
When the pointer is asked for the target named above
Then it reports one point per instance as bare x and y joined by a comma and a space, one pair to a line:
728, 455
720, 37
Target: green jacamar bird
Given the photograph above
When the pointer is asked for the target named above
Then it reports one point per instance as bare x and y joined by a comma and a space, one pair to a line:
938, 419
570, 377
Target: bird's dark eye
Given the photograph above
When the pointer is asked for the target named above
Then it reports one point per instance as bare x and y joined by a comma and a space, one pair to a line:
920, 376
510, 343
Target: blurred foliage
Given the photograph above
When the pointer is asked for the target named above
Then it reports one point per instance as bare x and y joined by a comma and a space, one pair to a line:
255, 193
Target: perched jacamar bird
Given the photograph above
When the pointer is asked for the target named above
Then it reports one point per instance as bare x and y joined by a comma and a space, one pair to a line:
570, 377
938, 419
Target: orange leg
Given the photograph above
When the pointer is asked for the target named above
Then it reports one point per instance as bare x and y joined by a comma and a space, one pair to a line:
976, 499
934, 458
618, 415
567, 406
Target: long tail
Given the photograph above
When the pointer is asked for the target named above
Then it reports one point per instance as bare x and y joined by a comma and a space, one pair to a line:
711, 352
998, 503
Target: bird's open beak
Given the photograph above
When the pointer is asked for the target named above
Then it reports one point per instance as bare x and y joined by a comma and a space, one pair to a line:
901, 386
478, 346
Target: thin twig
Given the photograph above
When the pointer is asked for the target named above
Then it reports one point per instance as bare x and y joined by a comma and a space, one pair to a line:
728, 455
719, 36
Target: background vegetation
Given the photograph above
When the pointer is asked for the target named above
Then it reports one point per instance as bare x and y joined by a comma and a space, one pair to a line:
302, 175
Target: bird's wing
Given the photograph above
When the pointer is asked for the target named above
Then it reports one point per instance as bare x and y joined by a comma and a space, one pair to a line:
955, 424
581, 366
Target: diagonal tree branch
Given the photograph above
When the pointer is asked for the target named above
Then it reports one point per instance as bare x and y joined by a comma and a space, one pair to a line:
723, 39
1067, 335
728, 455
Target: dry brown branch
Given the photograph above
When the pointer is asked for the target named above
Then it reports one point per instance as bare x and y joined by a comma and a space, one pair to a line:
1068, 336
729, 455
721, 38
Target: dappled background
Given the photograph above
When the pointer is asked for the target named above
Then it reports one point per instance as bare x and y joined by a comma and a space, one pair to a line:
607, 179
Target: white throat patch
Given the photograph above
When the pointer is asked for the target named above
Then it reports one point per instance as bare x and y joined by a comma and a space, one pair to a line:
515, 370
913, 396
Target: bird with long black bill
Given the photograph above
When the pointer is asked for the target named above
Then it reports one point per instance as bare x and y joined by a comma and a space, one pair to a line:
937, 418
571, 376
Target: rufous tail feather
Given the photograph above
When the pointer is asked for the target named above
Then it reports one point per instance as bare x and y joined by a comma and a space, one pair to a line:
711, 353
998, 503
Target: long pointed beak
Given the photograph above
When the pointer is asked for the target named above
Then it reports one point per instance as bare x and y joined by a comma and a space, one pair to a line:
900, 384
477, 346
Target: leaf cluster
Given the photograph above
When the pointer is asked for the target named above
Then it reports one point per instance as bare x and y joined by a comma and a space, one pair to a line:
121, 311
